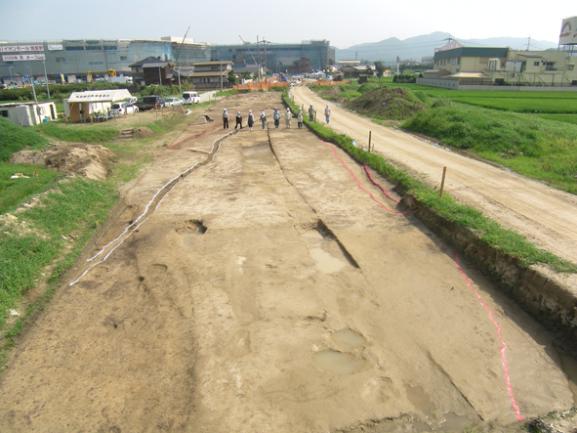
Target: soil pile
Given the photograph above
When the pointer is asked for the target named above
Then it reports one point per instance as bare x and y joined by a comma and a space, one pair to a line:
88, 160
395, 104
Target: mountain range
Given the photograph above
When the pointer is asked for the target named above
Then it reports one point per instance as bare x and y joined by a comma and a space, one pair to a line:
417, 47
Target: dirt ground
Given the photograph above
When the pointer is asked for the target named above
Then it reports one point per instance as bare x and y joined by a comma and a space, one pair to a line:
87, 160
544, 215
272, 288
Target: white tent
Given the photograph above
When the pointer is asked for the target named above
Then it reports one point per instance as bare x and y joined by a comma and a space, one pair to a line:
93, 105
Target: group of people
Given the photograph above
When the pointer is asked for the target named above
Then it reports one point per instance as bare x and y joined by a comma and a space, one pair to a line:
276, 116
313, 114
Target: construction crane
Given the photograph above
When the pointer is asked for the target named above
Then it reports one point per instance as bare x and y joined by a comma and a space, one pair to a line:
252, 55
177, 56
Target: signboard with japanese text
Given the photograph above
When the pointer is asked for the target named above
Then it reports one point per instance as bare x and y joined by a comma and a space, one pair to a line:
23, 57
21, 48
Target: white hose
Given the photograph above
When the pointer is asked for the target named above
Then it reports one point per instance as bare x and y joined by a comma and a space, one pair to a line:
134, 225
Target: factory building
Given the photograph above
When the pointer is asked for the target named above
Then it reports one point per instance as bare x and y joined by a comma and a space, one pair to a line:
292, 58
69, 60
456, 65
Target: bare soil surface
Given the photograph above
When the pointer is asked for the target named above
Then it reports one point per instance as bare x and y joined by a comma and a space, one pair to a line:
87, 160
272, 288
544, 215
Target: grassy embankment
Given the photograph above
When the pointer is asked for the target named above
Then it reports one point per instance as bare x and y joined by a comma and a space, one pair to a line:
500, 238
532, 133
48, 237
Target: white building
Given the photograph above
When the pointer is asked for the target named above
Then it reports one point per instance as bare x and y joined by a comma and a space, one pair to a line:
93, 105
29, 113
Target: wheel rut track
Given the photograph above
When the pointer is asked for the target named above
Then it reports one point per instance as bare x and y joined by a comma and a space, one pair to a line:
105, 252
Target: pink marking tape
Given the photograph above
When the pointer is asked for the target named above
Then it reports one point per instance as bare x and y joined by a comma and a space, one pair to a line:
468, 282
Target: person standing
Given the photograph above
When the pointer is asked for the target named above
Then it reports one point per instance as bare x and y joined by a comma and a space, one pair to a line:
263, 119
250, 120
327, 114
300, 119
276, 117
238, 120
287, 117
225, 119
311, 113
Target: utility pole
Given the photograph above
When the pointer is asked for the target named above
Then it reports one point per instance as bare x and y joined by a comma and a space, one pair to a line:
221, 78
32, 82
46, 76
529, 43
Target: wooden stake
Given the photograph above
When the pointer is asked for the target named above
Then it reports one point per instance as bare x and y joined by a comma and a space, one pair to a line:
443, 182
370, 138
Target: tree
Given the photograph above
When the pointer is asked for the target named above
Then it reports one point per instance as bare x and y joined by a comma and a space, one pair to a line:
232, 77
380, 68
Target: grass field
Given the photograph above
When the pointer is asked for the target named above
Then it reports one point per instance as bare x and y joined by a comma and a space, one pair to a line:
96, 133
508, 100
14, 138
535, 147
15, 191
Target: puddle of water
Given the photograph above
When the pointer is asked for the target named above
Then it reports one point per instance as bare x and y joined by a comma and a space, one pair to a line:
348, 339
419, 398
339, 362
326, 262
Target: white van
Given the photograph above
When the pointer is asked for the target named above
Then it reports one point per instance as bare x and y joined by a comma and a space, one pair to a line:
190, 97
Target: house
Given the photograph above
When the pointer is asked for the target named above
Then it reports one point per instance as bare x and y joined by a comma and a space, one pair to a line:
153, 70
210, 75
93, 105
29, 113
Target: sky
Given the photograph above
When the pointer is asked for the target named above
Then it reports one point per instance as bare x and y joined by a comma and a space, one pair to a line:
344, 23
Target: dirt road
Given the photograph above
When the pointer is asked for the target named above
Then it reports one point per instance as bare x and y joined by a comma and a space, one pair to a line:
545, 215
274, 289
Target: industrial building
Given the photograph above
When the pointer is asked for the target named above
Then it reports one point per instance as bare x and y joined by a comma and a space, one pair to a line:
71, 60
456, 65
292, 58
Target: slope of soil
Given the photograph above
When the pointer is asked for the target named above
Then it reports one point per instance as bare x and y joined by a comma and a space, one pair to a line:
387, 103
87, 160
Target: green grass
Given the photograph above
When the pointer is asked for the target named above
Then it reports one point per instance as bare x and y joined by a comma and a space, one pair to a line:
15, 191
535, 147
508, 100
488, 230
567, 118
75, 207
83, 134
14, 138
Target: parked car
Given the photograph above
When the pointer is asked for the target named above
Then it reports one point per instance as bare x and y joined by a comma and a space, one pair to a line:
123, 108
173, 101
150, 102
191, 97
